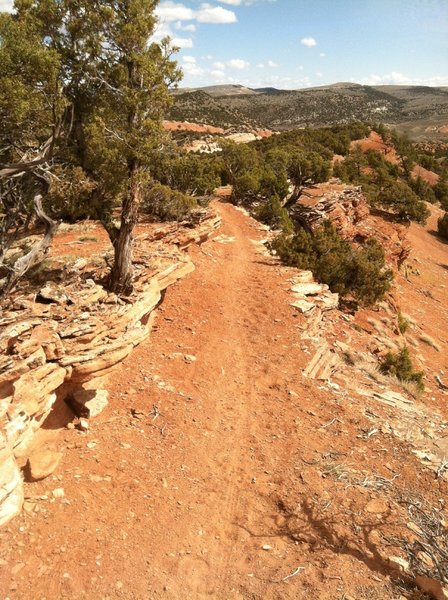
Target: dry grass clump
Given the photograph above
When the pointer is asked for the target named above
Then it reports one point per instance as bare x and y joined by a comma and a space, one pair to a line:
427, 339
427, 552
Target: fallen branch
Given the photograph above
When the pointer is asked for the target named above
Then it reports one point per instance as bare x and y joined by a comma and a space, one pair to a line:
294, 574
37, 252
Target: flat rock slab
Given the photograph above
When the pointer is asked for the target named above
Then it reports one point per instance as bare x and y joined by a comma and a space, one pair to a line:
303, 277
42, 464
89, 403
308, 289
303, 306
12, 505
377, 506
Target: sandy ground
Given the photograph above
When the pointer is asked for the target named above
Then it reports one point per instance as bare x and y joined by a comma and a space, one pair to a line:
212, 472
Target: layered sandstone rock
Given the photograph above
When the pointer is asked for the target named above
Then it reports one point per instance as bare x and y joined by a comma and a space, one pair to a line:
70, 334
347, 208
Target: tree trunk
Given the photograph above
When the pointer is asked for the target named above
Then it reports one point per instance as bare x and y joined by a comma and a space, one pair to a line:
122, 274
37, 252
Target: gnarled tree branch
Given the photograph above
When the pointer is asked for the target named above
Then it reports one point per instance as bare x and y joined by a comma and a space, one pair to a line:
37, 252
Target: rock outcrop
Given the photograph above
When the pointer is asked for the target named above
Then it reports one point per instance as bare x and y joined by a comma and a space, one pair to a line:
54, 342
347, 208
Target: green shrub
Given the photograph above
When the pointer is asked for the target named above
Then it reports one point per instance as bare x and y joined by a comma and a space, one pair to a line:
441, 193
442, 226
346, 270
71, 195
189, 173
403, 323
423, 190
166, 204
272, 213
403, 202
400, 365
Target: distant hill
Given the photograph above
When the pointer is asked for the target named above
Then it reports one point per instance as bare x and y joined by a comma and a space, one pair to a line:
198, 106
419, 110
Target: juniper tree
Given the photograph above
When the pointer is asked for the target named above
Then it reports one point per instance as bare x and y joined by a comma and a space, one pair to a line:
119, 97
32, 110
86, 74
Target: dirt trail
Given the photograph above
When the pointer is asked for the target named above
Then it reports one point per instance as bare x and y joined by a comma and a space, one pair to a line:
218, 470
188, 485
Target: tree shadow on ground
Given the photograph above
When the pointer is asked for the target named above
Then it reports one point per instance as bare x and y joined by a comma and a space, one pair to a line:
438, 237
388, 216
308, 524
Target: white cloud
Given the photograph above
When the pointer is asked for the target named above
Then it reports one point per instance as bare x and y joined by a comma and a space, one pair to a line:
172, 11
272, 64
395, 78
219, 65
322, 55
245, 2
238, 63
260, 66
193, 69
6, 5
217, 74
215, 14
319, 75
309, 42
162, 30
180, 42
189, 59
180, 26
169, 12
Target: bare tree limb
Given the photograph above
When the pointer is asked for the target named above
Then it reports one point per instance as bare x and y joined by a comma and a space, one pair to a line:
37, 252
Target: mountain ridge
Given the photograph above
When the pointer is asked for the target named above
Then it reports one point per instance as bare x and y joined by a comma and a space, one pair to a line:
418, 110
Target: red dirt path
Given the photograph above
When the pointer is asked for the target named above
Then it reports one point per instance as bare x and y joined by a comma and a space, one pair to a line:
206, 478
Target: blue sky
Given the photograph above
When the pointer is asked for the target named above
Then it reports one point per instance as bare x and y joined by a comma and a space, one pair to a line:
293, 44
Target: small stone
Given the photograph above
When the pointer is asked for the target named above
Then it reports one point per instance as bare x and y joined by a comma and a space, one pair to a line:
377, 506
89, 403
83, 425
267, 547
400, 564
426, 559
190, 358
16, 568
58, 493
30, 507
50, 295
70, 425
42, 464
78, 264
